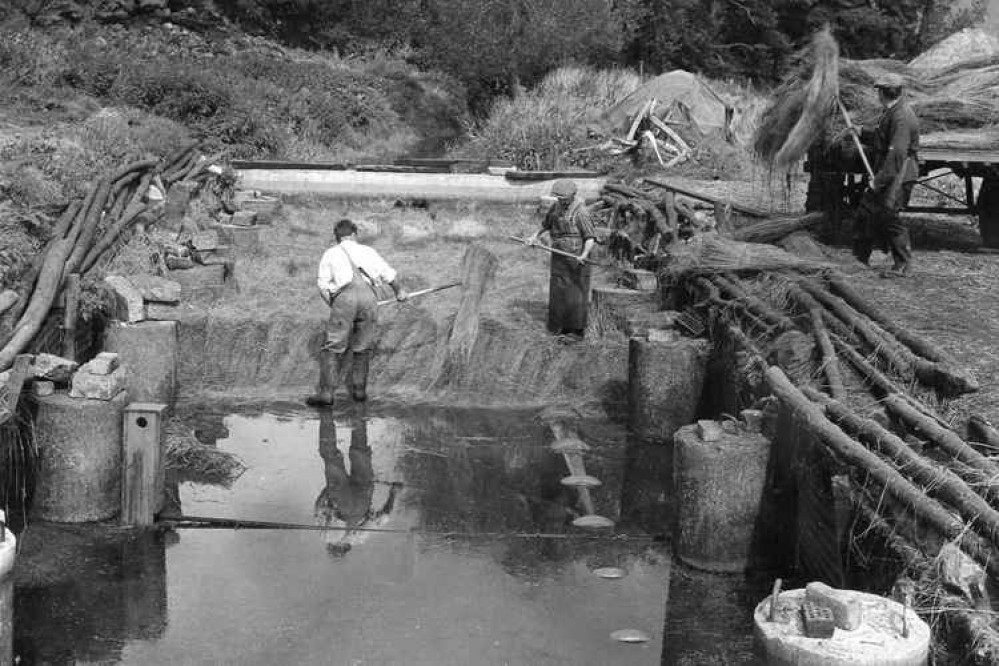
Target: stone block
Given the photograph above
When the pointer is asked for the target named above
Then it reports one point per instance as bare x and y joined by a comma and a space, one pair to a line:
128, 303
103, 364
266, 207
242, 238
178, 201
40, 389
205, 240
176, 263
661, 335
148, 352
98, 387
709, 431
53, 368
244, 218
156, 289
162, 312
847, 611
752, 419
200, 283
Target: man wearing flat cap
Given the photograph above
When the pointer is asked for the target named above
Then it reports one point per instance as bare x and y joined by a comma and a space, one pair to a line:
570, 227
894, 143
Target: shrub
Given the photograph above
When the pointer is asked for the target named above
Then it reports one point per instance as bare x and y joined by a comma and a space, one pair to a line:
27, 58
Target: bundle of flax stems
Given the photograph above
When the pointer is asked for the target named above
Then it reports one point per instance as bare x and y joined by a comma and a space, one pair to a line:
478, 268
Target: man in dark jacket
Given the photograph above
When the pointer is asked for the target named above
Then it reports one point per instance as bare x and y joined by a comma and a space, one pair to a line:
894, 144
570, 227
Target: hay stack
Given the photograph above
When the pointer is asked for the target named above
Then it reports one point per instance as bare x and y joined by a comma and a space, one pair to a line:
817, 104
708, 253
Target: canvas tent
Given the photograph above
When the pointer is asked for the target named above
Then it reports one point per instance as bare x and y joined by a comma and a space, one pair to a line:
683, 101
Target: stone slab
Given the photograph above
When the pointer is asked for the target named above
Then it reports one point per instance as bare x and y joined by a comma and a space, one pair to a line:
127, 302
156, 289
200, 283
148, 352
103, 364
97, 387
53, 368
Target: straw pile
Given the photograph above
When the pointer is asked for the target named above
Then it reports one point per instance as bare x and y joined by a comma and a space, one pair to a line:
710, 253
197, 462
958, 96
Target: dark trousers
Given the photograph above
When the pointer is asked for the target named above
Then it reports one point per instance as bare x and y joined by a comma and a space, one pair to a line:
878, 226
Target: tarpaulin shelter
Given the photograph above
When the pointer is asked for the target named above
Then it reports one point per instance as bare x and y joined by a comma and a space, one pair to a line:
683, 100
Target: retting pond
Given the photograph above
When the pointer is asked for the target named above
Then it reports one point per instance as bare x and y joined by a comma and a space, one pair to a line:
467, 553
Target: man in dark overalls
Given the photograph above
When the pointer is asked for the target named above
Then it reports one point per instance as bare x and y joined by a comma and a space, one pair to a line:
570, 227
894, 142
348, 275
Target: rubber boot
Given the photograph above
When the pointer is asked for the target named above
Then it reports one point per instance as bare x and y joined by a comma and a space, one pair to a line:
359, 376
329, 373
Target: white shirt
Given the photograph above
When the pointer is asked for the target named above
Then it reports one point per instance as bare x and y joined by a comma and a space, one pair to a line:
335, 271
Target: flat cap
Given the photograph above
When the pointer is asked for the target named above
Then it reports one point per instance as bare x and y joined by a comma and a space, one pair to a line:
563, 188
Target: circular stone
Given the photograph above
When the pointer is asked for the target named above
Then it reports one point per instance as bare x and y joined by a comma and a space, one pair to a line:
582, 481
569, 444
609, 572
593, 521
878, 640
630, 636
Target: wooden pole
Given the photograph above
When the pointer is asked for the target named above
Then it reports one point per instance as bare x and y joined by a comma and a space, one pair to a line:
938, 480
830, 362
70, 315
948, 440
855, 454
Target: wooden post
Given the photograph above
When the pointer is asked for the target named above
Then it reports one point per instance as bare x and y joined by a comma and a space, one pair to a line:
142, 468
72, 291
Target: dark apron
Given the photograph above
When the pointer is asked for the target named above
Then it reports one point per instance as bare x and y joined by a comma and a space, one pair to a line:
568, 288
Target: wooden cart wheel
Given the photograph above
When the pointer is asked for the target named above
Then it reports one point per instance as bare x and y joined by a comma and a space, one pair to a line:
988, 211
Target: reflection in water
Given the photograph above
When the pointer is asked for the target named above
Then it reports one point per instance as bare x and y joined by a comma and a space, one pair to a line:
448, 576
346, 500
82, 592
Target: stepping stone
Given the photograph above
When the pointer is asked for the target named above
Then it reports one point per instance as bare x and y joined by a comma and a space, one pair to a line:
582, 481
593, 522
630, 636
569, 444
609, 572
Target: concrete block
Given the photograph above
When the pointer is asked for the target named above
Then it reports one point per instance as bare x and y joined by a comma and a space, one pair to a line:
53, 368
848, 612
156, 289
128, 302
148, 353
103, 364
818, 620
244, 218
97, 387
42, 388
709, 431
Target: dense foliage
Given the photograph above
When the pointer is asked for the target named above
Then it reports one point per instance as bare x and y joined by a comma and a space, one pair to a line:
494, 46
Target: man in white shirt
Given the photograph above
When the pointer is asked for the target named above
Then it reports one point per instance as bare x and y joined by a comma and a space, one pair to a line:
348, 275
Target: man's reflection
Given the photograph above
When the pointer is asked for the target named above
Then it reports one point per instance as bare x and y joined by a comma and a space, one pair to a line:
344, 505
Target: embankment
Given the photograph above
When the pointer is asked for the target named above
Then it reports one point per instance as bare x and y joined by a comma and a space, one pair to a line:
276, 358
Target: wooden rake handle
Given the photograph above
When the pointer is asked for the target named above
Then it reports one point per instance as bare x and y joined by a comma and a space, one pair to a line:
422, 292
554, 251
856, 139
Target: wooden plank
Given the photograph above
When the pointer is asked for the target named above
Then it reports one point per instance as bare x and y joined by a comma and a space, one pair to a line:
249, 165
745, 210
142, 463
550, 175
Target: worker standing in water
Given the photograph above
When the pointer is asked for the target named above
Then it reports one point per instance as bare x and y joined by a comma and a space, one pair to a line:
348, 275
570, 226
